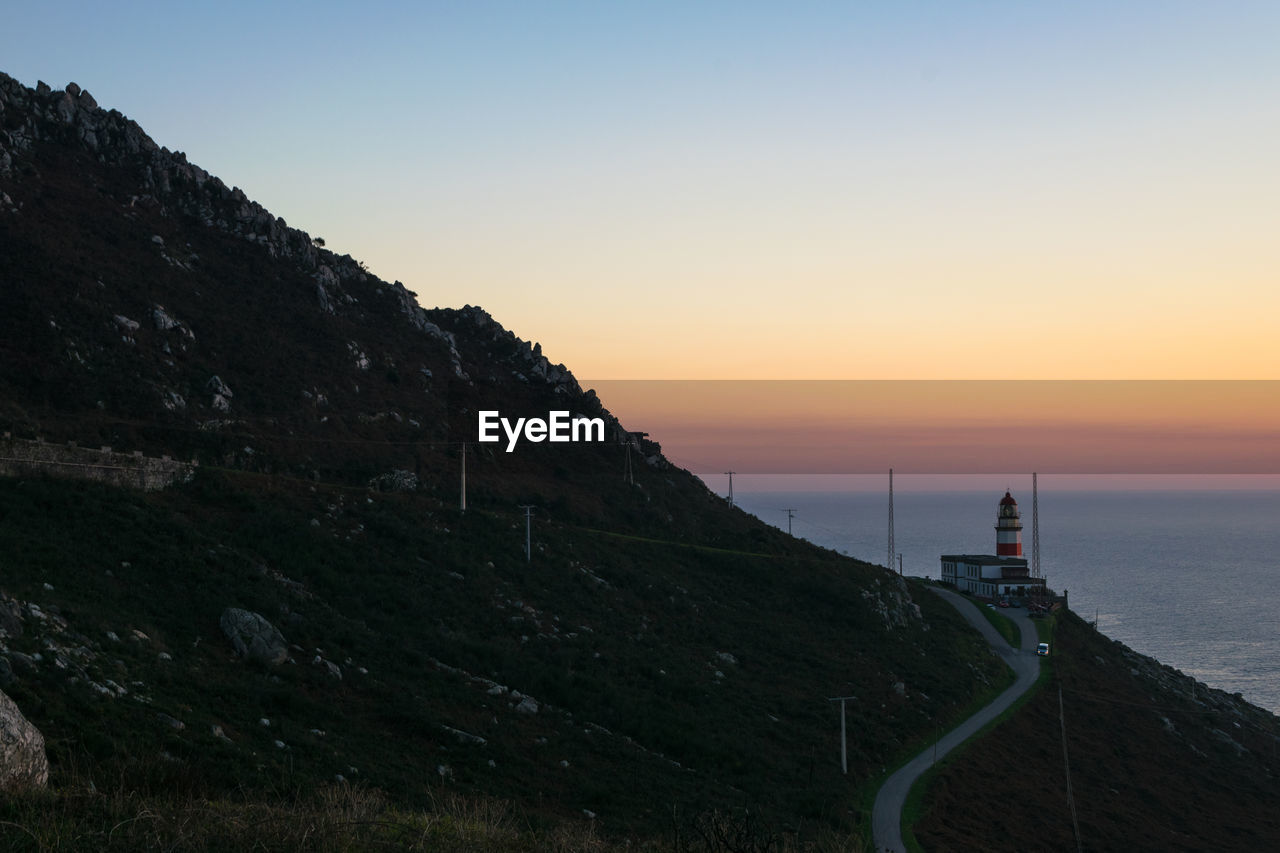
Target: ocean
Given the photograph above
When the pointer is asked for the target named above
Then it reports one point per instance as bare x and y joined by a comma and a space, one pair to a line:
1186, 576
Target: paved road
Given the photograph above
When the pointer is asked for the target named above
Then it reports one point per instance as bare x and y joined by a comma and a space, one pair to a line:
886, 815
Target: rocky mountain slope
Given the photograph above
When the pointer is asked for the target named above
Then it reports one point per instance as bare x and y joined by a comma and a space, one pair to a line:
312, 608
102, 225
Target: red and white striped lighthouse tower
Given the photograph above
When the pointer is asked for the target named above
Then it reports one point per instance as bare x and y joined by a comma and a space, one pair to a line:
1008, 528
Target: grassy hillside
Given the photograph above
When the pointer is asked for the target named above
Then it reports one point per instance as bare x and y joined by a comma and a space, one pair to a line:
1157, 762
669, 679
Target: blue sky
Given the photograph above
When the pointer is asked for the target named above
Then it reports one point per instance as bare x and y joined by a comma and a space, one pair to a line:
769, 190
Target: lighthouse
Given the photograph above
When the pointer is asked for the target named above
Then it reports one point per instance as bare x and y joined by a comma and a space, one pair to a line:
1008, 528
1003, 574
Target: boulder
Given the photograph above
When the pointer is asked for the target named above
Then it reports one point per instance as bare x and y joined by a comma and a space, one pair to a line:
10, 618
218, 387
25, 663
162, 319
253, 636
171, 722
22, 760
65, 107
221, 393
332, 667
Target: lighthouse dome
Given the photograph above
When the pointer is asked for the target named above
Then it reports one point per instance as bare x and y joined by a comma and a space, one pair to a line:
1008, 500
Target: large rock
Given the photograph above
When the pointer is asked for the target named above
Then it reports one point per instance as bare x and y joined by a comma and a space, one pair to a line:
221, 393
10, 618
253, 636
22, 760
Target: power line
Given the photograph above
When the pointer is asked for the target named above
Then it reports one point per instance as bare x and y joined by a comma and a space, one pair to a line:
335, 486
842, 537
1071, 801
344, 487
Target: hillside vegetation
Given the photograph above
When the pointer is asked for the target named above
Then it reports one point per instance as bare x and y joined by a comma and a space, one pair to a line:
1157, 761
658, 670
655, 675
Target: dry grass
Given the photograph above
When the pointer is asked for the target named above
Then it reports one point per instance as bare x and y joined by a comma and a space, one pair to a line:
339, 819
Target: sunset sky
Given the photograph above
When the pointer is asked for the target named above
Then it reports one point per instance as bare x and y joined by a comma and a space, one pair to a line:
1159, 427
749, 190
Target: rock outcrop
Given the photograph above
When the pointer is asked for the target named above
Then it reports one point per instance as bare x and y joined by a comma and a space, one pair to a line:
167, 182
23, 763
253, 637
395, 481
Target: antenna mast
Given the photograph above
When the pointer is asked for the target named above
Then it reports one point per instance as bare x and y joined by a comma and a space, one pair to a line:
1039, 586
1035, 528
889, 562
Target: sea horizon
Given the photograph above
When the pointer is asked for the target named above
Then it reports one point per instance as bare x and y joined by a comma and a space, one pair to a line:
929, 482
1175, 573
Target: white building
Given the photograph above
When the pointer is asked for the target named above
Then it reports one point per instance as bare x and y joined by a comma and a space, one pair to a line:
989, 576
994, 575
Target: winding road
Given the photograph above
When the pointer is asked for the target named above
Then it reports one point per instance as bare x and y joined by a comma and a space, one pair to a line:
886, 814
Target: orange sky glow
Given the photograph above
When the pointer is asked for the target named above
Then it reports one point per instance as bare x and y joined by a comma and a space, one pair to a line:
941, 427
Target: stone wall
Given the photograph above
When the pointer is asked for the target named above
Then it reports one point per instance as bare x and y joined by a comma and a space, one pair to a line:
21, 457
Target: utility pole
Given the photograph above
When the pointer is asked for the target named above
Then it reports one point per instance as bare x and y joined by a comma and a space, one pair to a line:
731, 473
528, 552
464, 476
844, 754
790, 515
899, 565
889, 563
